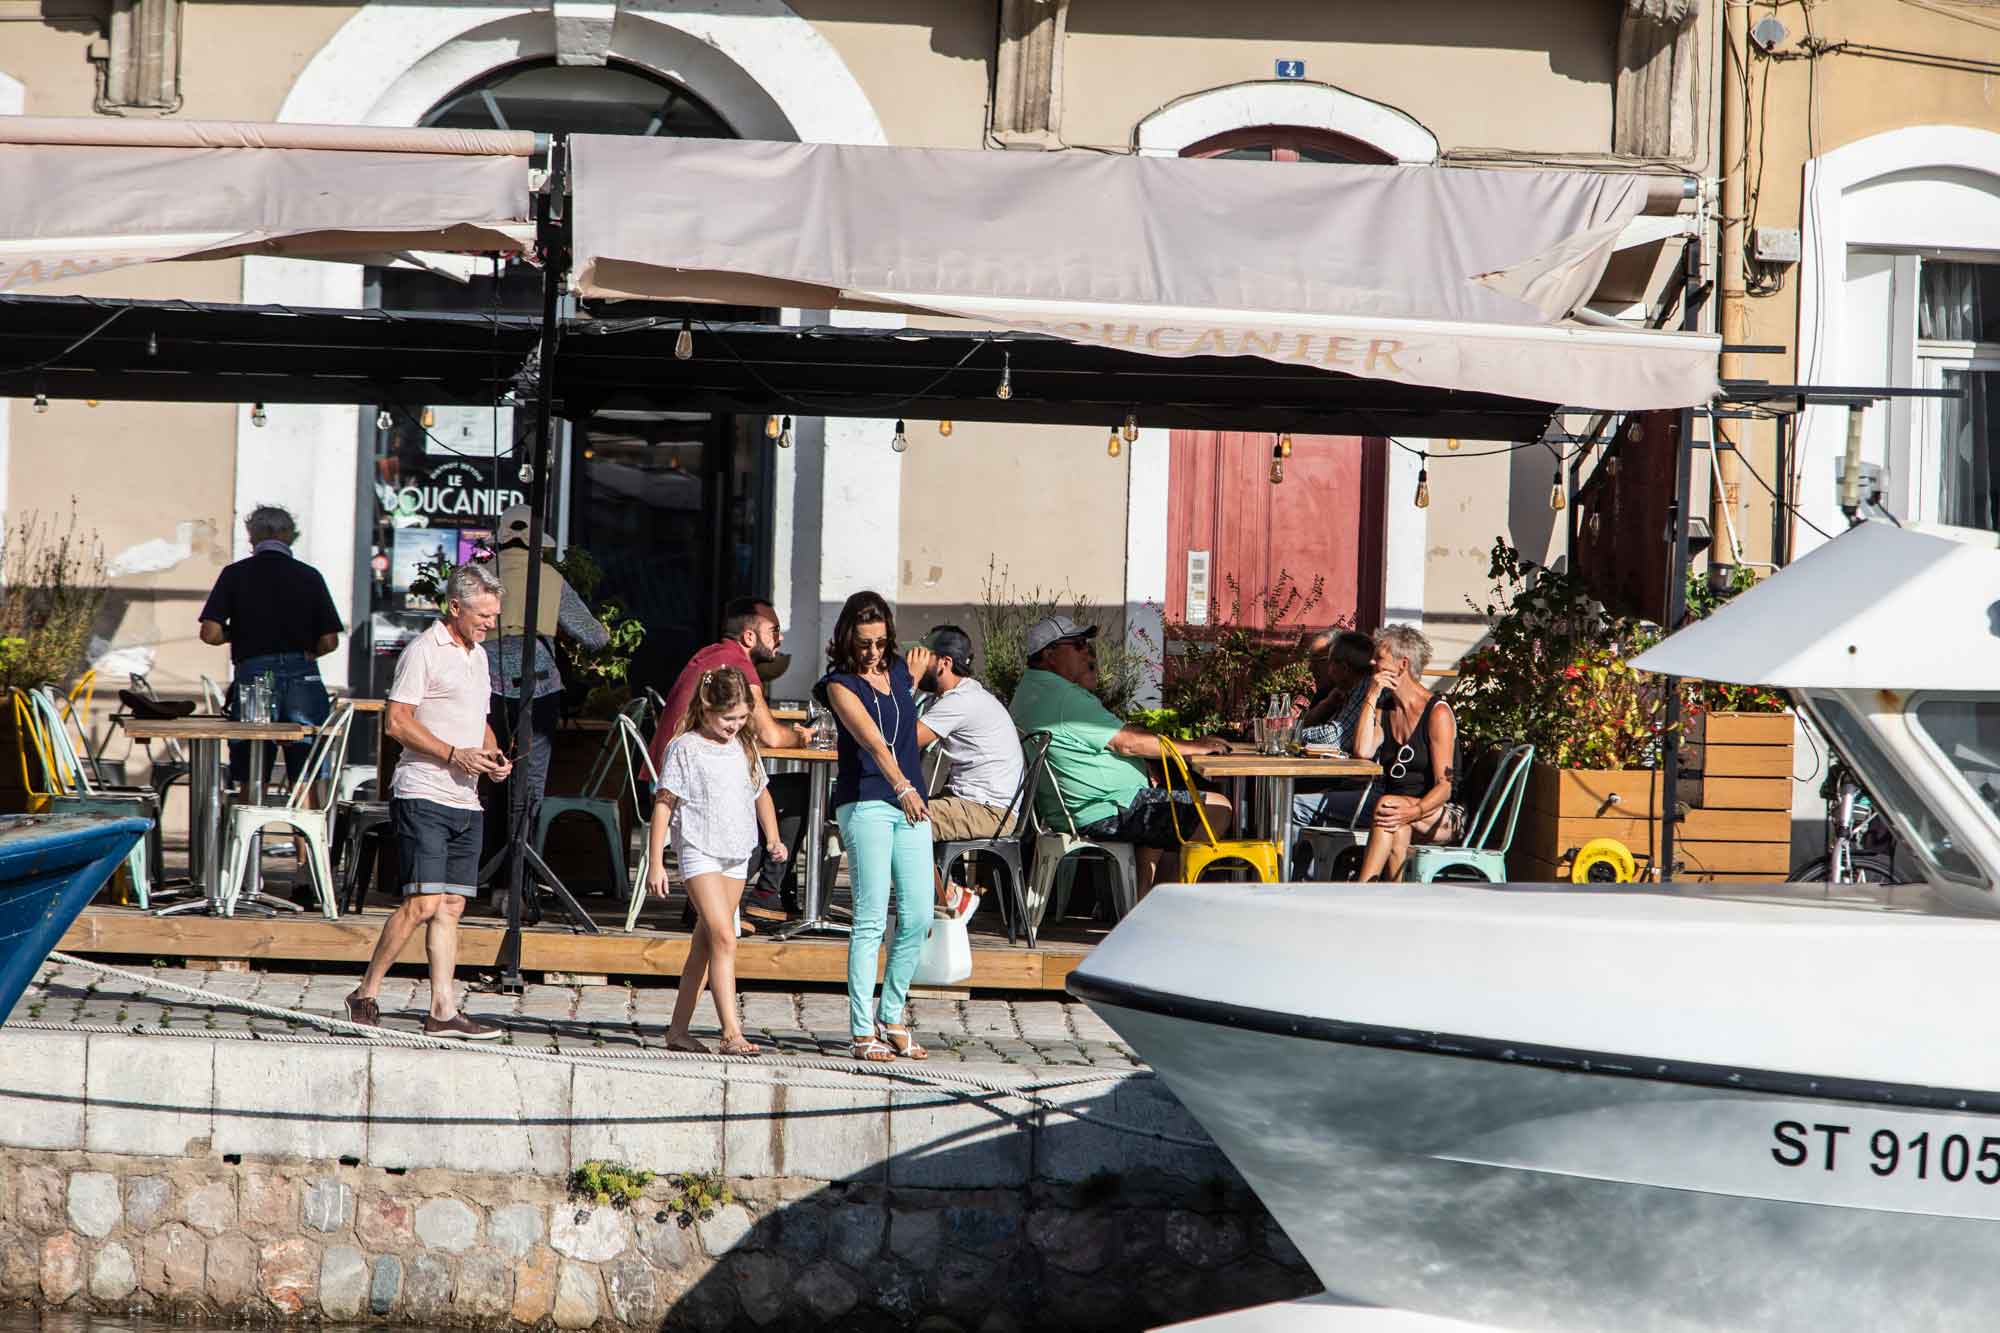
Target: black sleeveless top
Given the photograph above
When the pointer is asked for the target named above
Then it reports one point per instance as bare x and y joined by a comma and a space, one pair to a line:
1419, 773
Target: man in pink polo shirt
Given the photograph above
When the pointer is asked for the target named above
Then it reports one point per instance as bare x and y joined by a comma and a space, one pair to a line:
437, 713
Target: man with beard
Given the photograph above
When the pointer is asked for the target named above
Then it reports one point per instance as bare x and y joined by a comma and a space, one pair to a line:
750, 634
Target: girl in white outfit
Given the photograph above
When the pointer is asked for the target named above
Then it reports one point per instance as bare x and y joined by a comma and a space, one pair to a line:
712, 793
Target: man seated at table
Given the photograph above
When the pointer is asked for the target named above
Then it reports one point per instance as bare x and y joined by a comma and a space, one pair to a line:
975, 733
750, 634
1098, 760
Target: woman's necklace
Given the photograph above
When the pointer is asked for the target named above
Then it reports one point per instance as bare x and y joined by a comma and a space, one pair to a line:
875, 707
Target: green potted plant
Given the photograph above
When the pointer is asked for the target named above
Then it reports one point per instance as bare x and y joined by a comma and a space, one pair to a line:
1002, 618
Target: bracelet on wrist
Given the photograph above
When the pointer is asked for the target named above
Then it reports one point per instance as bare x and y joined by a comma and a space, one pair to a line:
450, 753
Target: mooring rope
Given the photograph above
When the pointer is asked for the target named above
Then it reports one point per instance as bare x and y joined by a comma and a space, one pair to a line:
661, 1064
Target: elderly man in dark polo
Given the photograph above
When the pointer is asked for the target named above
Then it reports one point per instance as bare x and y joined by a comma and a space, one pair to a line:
437, 713
274, 612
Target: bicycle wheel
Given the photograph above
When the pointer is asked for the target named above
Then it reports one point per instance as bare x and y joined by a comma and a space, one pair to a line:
1867, 870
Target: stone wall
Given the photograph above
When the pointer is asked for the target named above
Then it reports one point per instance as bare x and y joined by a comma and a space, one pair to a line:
193, 1176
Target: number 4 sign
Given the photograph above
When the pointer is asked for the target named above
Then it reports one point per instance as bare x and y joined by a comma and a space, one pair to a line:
1291, 69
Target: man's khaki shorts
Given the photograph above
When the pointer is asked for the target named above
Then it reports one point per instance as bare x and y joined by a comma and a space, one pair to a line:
955, 819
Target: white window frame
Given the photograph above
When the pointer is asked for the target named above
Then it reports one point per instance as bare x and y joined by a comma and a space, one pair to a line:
1934, 358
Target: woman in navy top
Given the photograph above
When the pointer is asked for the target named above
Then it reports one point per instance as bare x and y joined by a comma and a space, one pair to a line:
884, 824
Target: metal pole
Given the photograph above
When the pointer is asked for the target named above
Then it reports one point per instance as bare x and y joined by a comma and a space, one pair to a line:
1674, 606
552, 238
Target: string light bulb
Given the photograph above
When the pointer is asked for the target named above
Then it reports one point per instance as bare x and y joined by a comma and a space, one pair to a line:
1131, 428
1453, 443
1557, 500
90, 402
1114, 446
429, 418
526, 474
1277, 465
383, 421
901, 442
944, 427
1635, 432
152, 344
1285, 445
258, 416
41, 402
771, 428
1423, 488
684, 343
785, 434
1006, 389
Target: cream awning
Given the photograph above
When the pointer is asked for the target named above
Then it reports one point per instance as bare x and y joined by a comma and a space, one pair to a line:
1448, 278
86, 195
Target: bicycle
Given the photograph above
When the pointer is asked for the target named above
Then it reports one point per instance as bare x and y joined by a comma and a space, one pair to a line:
1860, 844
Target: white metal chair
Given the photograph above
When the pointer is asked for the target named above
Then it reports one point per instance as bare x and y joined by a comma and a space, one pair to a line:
635, 744
314, 824
214, 696
1056, 854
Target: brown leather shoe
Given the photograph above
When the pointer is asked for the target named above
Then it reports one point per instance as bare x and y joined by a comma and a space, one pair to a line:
365, 1012
461, 1027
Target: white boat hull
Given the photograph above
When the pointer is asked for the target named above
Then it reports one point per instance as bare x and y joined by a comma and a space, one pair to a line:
1496, 1169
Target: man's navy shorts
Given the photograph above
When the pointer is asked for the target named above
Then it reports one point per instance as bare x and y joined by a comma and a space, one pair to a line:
439, 846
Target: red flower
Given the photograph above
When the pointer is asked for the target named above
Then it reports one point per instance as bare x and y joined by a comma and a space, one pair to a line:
1573, 672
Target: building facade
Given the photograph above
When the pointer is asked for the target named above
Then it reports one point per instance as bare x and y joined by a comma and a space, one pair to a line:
684, 510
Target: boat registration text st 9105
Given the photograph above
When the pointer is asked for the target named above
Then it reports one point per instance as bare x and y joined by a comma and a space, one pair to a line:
1886, 1152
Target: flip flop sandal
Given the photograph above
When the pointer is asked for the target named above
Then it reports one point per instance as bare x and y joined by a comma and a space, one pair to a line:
870, 1051
899, 1040
687, 1046
744, 1048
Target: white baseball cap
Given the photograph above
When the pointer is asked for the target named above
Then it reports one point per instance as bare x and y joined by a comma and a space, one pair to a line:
1054, 629
513, 527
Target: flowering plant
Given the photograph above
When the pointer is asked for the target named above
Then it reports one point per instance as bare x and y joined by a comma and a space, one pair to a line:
1555, 670
1220, 673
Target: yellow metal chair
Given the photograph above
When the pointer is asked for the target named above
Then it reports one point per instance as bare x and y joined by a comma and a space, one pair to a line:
66, 788
1260, 854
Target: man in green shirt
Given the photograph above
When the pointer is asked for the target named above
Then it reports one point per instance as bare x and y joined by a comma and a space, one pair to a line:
1098, 760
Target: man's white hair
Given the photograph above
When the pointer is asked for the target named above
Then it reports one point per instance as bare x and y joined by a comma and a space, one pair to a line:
470, 580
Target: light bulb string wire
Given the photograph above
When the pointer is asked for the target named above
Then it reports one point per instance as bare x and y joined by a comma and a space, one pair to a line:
848, 406
31, 366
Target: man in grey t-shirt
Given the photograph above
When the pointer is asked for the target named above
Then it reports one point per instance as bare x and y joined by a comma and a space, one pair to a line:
978, 736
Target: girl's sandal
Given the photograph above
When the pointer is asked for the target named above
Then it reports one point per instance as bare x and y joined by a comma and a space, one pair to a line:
742, 1046
901, 1042
870, 1051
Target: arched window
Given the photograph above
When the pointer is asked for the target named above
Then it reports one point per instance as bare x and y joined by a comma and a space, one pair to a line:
546, 97
1286, 143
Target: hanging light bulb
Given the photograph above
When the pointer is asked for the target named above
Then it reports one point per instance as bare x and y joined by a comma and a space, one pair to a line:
90, 402
1131, 428
785, 435
1277, 467
771, 428
901, 442
1285, 445
590, 453
429, 418
684, 344
944, 427
1557, 500
152, 344
383, 421
41, 402
1592, 525
526, 474
1114, 446
1423, 488
1006, 389
674, 461
1635, 432
1453, 444
258, 416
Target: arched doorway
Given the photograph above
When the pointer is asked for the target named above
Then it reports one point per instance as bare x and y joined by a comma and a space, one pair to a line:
1228, 524
672, 507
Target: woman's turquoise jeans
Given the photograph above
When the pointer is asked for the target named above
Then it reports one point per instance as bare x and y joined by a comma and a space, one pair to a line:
884, 848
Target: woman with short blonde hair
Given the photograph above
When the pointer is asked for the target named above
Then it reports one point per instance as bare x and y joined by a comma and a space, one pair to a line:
1411, 733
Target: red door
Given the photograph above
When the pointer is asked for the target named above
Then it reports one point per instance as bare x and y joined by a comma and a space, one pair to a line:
1324, 520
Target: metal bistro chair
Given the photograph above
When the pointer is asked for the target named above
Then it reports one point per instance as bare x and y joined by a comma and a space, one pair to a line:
79, 779
1058, 850
1337, 851
1482, 857
313, 824
175, 765
68, 789
1007, 847
621, 742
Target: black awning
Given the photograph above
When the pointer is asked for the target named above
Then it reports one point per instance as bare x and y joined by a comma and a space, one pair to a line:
176, 351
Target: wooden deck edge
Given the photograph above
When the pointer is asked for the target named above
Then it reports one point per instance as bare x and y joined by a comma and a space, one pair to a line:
351, 940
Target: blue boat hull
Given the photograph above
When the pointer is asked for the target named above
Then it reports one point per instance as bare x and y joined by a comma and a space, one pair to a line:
50, 867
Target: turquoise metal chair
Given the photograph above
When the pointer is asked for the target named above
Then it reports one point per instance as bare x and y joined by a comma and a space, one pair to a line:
1482, 857
623, 755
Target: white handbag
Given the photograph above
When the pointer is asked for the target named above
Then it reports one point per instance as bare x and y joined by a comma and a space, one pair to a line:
947, 956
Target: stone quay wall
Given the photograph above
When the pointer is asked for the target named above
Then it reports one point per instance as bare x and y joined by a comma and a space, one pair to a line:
271, 1181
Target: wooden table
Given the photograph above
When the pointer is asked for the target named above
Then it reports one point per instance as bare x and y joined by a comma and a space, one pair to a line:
791, 715
204, 738
366, 705
1276, 777
813, 889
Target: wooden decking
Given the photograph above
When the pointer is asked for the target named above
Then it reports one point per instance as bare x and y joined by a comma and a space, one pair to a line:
110, 931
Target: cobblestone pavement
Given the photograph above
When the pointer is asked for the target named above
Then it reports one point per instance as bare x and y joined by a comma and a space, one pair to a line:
1048, 1032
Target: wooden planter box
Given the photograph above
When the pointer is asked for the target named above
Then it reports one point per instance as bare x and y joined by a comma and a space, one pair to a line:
1736, 787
